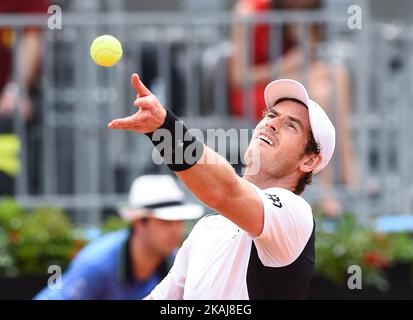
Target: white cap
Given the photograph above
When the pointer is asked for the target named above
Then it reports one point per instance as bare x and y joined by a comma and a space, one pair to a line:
323, 130
162, 198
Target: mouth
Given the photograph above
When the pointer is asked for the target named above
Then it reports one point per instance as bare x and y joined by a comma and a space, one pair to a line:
266, 139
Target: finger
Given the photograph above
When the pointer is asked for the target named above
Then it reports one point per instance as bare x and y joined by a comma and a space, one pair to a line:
122, 123
145, 103
139, 86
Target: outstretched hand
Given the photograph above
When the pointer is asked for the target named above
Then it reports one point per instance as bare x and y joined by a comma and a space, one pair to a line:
149, 117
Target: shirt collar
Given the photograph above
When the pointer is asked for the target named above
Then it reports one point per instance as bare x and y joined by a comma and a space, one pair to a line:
125, 269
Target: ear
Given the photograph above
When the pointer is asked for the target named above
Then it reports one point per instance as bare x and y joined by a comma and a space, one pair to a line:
309, 162
136, 225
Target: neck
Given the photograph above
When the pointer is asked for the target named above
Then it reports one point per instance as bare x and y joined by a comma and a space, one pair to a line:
263, 181
144, 261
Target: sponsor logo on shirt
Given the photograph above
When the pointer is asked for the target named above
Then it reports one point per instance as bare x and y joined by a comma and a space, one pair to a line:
275, 200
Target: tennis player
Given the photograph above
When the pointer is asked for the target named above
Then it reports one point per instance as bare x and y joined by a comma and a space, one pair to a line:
261, 243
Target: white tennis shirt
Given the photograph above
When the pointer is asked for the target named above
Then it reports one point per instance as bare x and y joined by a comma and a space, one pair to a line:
213, 261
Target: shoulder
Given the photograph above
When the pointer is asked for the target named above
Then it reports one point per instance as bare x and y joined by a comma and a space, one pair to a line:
288, 224
283, 202
102, 249
282, 197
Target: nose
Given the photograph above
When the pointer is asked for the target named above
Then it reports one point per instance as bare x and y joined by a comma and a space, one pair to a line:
272, 124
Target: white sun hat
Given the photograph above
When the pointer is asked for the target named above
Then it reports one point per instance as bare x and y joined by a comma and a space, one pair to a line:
321, 126
162, 199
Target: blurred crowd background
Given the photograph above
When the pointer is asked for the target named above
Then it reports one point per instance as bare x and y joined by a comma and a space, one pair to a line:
208, 61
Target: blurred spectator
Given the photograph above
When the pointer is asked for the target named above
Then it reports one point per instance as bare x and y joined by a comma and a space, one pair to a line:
29, 56
128, 264
327, 83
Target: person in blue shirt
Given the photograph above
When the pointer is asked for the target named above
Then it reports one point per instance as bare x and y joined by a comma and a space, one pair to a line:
128, 264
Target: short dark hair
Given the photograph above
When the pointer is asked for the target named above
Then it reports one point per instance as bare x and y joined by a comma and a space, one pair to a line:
311, 147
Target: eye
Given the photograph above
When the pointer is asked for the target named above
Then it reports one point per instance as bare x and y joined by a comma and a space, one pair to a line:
272, 114
291, 125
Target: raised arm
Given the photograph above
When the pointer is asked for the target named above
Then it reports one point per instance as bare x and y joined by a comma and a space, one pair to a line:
29, 56
212, 179
237, 70
219, 187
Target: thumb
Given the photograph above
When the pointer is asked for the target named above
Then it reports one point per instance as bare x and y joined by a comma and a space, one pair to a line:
140, 88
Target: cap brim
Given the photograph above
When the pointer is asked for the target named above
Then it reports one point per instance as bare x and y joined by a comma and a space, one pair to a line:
285, 88
174, 213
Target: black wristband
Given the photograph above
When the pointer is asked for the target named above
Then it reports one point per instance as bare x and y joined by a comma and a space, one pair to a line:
179, 149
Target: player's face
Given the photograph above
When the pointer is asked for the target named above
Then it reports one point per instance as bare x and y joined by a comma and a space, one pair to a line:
162, 236
279, 139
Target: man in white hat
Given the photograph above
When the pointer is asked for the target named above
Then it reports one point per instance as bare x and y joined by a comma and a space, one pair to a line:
128, 264
261, 246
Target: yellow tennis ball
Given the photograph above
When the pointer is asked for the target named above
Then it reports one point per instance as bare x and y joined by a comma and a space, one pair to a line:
106, 50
